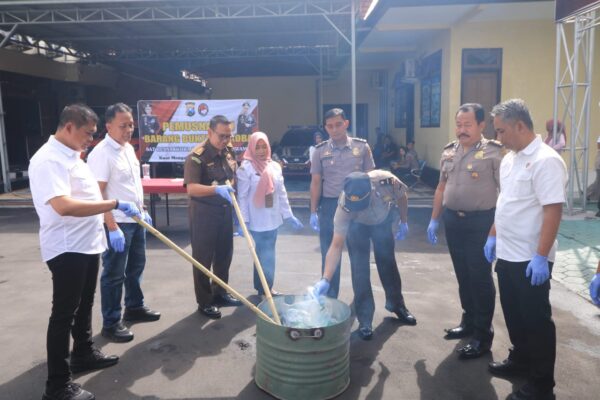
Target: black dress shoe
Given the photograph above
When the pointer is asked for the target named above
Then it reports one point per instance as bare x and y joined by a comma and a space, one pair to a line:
404, 315
71, 391
210, 311
226, 300
474, 349
141, 314
365, 333
531, 392
91, 360
508, 368
458, 332
117, 333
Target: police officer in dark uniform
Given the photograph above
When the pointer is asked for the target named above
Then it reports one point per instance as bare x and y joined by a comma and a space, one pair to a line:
245, 121
468, 190
331, 162
149, 125
206, 170
370, 208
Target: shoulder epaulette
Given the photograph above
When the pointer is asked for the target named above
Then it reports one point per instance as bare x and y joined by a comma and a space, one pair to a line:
495, 142
357, 139
321, 144
199, 149
452, 143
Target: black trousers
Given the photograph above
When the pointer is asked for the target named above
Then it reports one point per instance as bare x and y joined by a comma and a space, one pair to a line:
211, 232
327, 208
360, 237
466, 234
528, 315
74, 277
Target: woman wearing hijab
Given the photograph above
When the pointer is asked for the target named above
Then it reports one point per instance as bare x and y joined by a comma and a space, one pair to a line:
264, 203
561, 140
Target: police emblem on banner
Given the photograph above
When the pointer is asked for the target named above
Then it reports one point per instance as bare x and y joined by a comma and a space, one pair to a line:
203, 109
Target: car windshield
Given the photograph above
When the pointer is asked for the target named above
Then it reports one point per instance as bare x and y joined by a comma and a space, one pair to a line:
298, 137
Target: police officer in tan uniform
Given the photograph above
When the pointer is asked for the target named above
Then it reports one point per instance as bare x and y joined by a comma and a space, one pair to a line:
206, 170
467, 190
331, 162
372, 206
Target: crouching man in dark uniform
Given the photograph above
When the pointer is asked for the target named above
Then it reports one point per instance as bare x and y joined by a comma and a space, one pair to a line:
369, 208
206, 170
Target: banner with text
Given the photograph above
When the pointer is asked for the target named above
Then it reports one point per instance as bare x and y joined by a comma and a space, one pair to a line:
170, 129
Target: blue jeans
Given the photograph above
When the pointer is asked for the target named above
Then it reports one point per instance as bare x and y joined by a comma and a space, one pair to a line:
123, 268
265, 250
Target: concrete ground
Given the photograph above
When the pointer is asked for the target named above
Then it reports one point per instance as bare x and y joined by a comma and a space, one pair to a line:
187, 356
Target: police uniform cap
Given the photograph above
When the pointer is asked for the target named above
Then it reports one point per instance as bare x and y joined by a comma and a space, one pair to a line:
357, 191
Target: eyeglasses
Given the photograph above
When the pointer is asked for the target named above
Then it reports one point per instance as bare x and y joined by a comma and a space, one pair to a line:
224, 137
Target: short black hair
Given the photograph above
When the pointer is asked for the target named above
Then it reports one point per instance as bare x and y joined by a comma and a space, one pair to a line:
476, 108
245, 104
111, 111
334, 112
218, 120
78, 114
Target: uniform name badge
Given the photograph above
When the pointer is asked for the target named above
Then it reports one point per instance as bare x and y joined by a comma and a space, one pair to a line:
269, 200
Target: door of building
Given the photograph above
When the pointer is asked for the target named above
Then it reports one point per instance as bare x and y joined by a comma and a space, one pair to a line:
481, 75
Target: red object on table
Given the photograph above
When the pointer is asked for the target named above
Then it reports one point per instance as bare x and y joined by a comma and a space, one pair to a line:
154, 186
163, 185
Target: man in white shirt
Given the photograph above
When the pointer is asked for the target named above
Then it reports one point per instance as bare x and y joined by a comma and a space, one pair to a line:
117, 170
68, 203
532, 192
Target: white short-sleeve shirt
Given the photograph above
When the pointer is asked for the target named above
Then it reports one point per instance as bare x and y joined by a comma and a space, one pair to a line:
118, 166
262, 219
530, 179
57, 170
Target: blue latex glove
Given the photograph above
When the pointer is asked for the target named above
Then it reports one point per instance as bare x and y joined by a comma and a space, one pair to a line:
490, 249
223, 191
147, 218
314, 221
319, 289
129, 209
432, 231
402, 231
240, 231
117, 240
595, 289
295, 222
538, 270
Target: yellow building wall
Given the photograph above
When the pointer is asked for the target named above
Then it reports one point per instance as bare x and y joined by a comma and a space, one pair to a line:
528, 72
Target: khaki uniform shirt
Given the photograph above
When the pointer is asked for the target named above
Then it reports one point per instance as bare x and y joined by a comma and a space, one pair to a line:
208, 166
472, 179
334, 163
386, 191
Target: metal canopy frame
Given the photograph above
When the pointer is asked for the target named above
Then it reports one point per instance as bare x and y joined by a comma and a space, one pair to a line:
572, 97
81, 31
143, 25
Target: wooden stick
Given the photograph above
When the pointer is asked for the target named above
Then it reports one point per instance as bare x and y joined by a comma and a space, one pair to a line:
257, 264
202, 268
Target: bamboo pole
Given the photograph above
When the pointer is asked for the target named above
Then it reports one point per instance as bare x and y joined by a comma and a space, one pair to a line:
257, 264
202, 268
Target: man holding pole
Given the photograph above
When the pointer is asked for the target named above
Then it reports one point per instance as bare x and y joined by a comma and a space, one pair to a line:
207, 171
117, 170
68, 202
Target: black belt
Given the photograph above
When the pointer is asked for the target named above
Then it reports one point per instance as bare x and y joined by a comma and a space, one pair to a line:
464, 214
